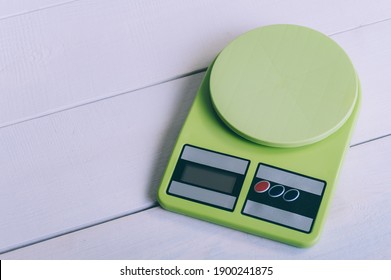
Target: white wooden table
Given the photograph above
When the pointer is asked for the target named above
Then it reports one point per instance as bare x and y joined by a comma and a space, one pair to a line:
92, 97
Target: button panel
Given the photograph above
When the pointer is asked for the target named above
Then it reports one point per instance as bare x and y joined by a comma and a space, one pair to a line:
285, 198
277, 191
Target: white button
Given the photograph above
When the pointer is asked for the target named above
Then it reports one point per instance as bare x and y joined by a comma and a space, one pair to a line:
276, 190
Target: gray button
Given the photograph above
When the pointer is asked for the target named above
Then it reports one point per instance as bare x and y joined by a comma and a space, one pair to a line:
291, 195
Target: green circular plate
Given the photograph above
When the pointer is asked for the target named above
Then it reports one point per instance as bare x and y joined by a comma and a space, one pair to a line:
283, 86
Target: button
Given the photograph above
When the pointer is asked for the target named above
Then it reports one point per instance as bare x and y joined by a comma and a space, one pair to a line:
276, 190
261, 186
291, 195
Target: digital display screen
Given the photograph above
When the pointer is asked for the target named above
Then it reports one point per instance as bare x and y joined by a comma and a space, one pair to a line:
204, 176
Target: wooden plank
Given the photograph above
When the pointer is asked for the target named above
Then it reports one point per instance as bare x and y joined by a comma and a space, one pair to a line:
72, 54
89, 164
357, 226
370, 50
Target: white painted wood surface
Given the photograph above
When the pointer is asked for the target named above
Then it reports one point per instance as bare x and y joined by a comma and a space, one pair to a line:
122, 45
92, 97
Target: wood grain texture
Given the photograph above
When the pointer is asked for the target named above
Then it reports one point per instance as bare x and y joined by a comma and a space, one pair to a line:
357, 226
118, 46
89, 164
370, 50
18, 7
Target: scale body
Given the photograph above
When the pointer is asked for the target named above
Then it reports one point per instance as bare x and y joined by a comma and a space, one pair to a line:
223, 174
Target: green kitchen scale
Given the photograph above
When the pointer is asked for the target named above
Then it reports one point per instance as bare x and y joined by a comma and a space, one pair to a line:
264, 140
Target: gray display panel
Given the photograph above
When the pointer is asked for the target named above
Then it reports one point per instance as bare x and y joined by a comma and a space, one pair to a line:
203, 176
277, 215
202, 195
216, 160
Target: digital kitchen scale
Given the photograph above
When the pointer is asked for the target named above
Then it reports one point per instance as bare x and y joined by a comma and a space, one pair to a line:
264, 140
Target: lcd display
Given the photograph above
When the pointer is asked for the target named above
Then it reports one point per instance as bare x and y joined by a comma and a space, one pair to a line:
204, 176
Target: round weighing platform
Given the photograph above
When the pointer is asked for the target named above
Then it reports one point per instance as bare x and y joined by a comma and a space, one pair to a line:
283, 86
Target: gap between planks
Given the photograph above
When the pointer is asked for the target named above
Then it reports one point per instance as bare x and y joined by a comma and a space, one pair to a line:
359, 27
33, 10
94, 100
155, 204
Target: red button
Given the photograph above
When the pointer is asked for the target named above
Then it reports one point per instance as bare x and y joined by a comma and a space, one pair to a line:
262, 186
